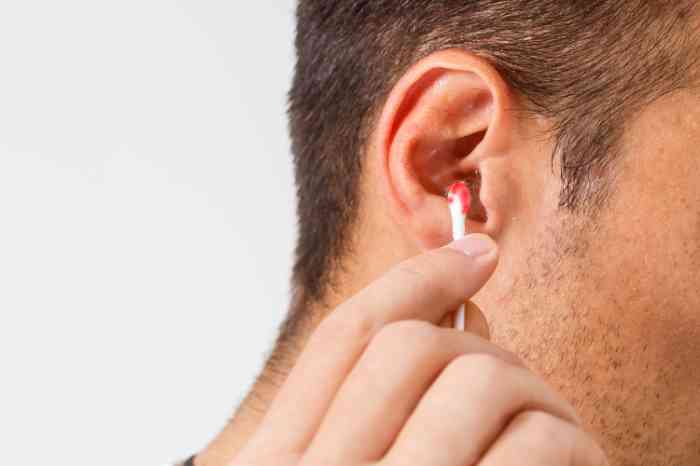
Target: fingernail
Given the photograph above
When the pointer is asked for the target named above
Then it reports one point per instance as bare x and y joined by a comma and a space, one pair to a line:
475, 245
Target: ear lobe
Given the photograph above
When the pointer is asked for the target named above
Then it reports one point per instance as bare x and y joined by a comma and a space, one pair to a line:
443, 120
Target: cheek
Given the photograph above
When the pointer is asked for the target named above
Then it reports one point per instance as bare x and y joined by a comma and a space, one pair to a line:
654, 217
610, 315
610, 320
652, 262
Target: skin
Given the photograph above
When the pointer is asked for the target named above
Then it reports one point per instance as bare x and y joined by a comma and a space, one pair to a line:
374, 402
600, 308
607, 313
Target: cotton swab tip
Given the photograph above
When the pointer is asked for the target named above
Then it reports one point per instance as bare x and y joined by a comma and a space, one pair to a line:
459, 193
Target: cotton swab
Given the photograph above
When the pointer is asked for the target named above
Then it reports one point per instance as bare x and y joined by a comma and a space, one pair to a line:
459, 199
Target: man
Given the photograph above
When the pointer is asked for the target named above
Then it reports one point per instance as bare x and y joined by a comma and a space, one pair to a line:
577, 124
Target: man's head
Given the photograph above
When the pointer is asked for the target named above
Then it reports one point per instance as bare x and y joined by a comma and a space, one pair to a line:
575, 122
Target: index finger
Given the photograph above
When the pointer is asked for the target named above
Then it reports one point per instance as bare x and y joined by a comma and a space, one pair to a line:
425, 287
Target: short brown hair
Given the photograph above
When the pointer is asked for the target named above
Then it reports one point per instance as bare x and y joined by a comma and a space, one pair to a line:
588, 65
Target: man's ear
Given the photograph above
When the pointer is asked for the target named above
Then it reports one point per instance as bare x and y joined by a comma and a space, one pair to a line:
444, 121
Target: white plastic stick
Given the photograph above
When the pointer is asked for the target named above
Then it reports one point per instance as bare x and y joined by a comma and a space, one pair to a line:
459, 199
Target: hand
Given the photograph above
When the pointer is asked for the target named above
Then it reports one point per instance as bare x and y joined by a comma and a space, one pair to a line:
380, 382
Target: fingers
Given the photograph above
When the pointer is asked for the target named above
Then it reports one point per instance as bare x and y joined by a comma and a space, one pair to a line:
384, 387
467, 407
423, 288
535, 438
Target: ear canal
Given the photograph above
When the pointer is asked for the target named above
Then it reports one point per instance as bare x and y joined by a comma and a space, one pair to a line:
477, 211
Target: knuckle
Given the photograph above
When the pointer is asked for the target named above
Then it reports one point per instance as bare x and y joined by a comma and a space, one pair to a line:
557, 440
545, 436
540, 425
398, 349
344, 325
420, 273
480, 369
483, 377
418, 336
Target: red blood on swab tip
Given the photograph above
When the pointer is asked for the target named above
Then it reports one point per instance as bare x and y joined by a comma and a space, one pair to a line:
459, 190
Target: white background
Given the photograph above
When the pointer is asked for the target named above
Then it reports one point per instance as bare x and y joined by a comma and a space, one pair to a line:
143, 269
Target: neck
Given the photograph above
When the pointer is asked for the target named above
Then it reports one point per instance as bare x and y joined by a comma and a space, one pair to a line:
305, 317
224, 448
